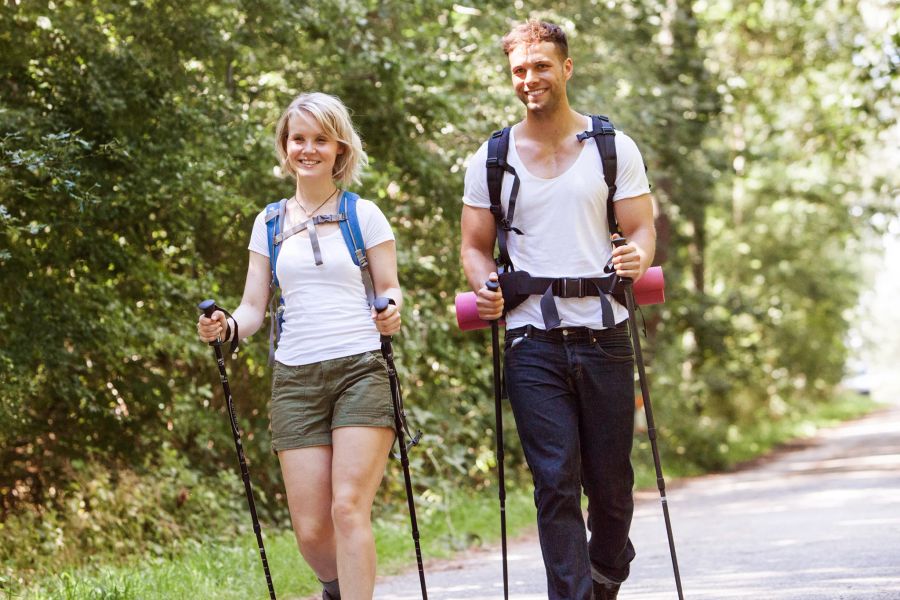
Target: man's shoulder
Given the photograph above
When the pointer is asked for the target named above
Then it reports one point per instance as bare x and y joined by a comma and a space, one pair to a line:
477, 159
625, 145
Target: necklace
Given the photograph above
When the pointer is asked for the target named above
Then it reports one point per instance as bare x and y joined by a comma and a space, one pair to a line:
312, 212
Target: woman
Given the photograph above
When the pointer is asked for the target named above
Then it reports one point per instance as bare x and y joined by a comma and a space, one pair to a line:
330, 413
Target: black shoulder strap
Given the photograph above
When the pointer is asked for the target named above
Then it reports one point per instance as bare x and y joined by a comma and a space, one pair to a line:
604, 135
498, 147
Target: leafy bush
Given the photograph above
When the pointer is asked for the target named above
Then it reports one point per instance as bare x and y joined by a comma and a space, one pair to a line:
107, 513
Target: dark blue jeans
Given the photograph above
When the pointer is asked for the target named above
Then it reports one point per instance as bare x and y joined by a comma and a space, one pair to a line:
572, 395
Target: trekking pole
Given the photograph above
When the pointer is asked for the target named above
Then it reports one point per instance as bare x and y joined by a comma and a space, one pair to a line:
648, 409
498, 415
387, 350
208, 307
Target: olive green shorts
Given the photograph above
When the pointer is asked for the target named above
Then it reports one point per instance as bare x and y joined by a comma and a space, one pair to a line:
308, 401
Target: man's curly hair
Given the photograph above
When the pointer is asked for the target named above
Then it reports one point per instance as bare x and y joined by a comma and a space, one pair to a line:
533, 31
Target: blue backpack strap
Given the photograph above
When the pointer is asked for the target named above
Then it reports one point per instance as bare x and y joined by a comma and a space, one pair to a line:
274, 225
354, 239
350, 228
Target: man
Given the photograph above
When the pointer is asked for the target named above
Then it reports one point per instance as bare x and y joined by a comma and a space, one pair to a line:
571, 383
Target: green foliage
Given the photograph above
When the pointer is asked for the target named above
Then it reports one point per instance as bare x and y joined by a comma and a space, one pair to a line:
135, 150
156, 511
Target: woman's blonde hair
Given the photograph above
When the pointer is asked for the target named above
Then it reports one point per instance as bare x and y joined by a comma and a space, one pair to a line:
334, 119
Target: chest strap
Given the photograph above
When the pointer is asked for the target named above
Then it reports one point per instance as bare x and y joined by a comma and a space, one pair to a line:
518, 285
310, 225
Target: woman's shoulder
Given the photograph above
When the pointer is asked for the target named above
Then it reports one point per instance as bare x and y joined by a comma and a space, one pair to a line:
266, 208
367, 208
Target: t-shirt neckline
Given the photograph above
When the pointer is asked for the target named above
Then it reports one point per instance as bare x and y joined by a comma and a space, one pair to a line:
512, 147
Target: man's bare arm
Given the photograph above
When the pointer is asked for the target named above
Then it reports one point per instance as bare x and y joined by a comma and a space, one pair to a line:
635, 217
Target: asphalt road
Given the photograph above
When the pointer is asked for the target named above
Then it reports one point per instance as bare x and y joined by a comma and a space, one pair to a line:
818, 522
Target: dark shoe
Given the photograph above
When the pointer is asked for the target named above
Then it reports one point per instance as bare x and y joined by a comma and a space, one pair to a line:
331, 590
606, 591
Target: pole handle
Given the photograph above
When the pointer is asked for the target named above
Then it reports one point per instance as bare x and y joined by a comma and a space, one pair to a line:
618, 243
208, 307
493, 286
380, 304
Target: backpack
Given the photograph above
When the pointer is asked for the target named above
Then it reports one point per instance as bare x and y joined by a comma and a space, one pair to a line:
518, 285
346, 218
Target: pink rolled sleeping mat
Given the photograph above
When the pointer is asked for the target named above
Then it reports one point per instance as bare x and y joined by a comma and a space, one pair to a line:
649, 289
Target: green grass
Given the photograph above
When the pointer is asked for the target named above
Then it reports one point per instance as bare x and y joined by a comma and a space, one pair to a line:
234, 572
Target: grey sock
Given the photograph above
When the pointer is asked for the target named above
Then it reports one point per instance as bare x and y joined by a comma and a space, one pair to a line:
332, 588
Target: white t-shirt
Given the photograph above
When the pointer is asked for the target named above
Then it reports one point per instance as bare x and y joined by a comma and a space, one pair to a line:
563, 224
326, 313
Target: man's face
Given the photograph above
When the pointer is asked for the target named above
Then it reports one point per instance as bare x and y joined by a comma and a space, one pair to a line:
539, 75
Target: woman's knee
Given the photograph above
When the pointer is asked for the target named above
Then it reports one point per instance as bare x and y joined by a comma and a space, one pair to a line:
349, 512
312, 533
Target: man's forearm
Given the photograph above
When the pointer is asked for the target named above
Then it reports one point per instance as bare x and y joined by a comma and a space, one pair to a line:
477, 266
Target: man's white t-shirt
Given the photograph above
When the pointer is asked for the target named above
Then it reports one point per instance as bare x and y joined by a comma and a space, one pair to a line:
326, 313
563, 223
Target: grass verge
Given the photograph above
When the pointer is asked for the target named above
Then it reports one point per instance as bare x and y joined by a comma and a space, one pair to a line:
235, 572
232, 572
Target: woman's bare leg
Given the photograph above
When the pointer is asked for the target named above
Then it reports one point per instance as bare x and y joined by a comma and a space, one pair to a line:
307, 480
360, 455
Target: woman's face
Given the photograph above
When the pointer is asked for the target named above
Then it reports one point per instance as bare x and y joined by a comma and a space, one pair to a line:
310, 152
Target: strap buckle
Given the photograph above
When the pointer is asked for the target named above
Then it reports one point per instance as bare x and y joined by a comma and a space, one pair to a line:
570, 287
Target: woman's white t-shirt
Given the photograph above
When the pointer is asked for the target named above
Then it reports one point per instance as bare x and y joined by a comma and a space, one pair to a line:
563, 224
326, 313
